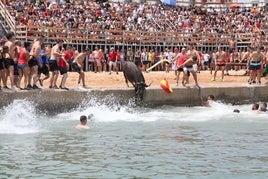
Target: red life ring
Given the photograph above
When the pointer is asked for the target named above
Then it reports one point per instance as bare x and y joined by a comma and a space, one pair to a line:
165, 86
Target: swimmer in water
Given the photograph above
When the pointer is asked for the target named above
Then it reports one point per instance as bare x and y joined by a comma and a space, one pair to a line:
236, 111
83, 123
255, 108
209, 101
263, 107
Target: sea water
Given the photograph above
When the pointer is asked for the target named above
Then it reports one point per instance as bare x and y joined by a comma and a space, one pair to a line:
128, 142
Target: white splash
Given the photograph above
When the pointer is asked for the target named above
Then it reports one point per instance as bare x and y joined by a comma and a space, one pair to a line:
18, 118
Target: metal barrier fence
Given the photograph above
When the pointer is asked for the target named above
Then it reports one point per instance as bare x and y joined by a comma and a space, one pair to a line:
122, 39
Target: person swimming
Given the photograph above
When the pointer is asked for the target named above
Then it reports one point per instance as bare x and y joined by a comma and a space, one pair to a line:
83, 122
90, 117
236, 111
263, 107
209, 101
255, 108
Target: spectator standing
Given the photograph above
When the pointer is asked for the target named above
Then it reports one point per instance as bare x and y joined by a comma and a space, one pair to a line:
53, 64
68, 55
97, 56
255, 66
205, 61
78, 66
157, 58
103, 62
180, 59
2, 69
44, 67
144, 59
188, 67
63, 68
34, 62
112, 57
137, 58
220, 63
9, 60
16, 70
150, 57
129, 55
23, 67
121, 57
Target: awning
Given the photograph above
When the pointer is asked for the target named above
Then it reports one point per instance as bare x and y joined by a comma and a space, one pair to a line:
234, 5
169, 2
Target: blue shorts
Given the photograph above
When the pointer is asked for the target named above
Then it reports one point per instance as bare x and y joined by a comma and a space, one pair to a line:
255, 65
22, 66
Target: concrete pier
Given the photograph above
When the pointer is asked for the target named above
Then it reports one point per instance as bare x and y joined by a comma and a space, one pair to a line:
58, 100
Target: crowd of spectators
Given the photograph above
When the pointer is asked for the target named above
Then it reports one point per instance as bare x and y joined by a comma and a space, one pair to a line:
137, 16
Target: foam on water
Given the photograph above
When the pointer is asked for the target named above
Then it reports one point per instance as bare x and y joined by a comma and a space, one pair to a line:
19, 117
115, 113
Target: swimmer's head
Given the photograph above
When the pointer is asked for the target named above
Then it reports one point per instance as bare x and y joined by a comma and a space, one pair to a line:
263, 107
211, 97
83, 119
255, 106
90, 116
236, 111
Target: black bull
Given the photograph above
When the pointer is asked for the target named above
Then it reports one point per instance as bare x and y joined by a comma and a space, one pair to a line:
134, 75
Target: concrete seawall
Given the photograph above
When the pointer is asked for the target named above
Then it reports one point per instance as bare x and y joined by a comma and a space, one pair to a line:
56, 101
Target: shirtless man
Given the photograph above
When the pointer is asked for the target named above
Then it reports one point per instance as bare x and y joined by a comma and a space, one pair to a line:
96, 55
83, 123
220, 63
78, 65
232, 46
265, 71
44, 60
2, 70
63, 68
193, 52
255, 62
10, 60
245, 59
188, 66
53, 63
209, 101
34, 62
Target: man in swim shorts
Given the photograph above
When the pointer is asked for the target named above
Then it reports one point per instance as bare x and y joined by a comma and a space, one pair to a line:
112, 58
255, 62
34, 62
83, 123
78, 65
56, 53
220, 63
188, 66
10, 59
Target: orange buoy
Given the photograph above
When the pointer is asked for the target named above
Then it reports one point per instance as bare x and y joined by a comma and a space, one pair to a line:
165, 86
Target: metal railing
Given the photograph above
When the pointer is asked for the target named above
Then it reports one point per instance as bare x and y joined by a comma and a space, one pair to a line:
8, 18
123, 38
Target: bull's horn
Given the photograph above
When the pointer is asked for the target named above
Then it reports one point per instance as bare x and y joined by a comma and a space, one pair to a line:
149, 84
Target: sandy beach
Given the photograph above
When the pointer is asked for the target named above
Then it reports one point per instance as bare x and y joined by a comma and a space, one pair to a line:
105, 80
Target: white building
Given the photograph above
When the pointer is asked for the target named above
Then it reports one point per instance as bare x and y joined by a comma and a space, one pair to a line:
250, 3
